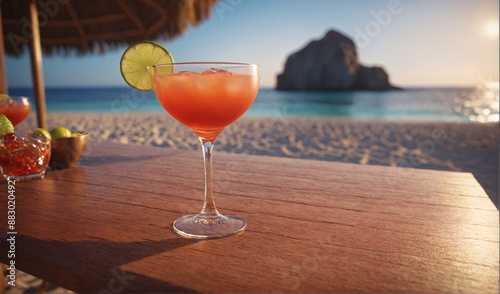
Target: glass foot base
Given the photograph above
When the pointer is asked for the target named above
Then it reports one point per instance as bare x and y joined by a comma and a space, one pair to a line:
205, 227
26, 177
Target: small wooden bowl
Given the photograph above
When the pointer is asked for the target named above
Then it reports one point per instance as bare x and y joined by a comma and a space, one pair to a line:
65, 152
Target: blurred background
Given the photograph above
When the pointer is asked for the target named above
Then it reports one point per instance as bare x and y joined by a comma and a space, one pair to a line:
443, 53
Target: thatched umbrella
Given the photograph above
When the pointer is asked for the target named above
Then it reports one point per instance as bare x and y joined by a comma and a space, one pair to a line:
87, 26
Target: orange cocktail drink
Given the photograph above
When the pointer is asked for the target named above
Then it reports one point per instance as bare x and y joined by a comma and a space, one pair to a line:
207, 97
206, 102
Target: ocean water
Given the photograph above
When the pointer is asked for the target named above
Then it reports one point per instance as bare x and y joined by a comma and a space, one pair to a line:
479, 104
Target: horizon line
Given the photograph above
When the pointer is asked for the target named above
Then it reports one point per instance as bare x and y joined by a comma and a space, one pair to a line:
261, 87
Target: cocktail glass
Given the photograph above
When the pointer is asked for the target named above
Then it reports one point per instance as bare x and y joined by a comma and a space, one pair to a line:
24, 158
207, 97
16, 110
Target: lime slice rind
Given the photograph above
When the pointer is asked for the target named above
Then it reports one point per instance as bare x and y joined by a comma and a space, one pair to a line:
60, 132
6, 126
42, 132
136, 65
4, 98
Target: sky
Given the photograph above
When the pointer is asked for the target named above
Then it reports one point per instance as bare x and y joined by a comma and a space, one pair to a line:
418, 42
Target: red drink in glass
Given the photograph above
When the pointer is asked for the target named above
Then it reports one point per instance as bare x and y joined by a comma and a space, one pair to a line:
16, 110
24, 158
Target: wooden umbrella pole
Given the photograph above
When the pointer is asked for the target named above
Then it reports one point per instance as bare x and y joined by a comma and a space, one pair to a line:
36, 67
3, 76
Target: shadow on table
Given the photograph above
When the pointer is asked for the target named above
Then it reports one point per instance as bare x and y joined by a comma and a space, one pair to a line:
96, 264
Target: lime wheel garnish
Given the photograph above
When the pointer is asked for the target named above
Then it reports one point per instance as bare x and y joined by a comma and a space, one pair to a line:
136, 65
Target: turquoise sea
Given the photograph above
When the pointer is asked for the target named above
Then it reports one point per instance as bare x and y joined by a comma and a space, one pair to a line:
479, 104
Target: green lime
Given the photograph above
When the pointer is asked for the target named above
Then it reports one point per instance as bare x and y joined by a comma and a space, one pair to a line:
76, 134
5, 126
42, 132
4, 97
60, 132
136, 65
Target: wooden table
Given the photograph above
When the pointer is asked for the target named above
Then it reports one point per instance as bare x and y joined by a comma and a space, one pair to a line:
313, 226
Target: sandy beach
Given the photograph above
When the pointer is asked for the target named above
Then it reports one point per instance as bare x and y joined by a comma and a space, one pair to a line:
443, 146
462, 147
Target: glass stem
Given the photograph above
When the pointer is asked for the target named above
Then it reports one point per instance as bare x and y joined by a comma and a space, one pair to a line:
209, 209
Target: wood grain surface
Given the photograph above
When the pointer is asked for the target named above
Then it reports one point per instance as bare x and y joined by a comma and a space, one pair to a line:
313, 226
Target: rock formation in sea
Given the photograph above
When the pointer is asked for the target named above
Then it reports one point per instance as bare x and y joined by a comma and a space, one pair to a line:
330, 64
